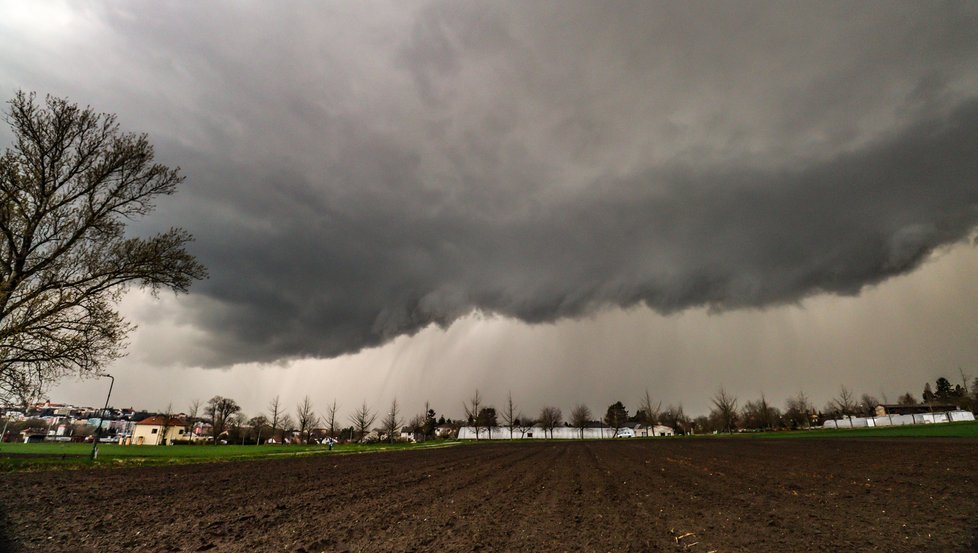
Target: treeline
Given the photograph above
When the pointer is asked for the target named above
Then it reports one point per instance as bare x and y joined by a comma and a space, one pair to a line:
225, 422
725, 416
728, 413
485, 418
221, 419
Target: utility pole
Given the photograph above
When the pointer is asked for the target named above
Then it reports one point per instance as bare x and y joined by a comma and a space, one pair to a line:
98, 431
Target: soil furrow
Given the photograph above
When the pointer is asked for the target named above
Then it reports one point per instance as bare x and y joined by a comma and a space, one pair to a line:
622, 495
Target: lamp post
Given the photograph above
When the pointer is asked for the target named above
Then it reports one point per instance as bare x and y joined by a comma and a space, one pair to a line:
98, 431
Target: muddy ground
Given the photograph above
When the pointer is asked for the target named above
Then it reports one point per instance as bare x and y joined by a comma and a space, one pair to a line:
626, 495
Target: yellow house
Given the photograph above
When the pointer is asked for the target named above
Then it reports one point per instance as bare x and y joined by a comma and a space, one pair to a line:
157, 430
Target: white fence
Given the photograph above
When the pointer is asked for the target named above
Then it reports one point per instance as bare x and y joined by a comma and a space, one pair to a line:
901, 420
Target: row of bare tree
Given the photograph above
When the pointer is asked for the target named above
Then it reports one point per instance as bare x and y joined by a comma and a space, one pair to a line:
800, 412
726, 415
229, 424
484, 418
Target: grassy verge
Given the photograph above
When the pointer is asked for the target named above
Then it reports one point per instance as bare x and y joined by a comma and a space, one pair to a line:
44, 456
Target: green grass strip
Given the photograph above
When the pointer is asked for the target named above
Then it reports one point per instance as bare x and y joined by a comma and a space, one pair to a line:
47, 456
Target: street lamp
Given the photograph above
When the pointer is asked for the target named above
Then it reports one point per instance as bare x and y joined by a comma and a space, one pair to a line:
98, 431
6, 421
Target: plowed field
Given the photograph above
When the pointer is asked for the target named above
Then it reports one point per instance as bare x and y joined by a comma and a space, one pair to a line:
626, 495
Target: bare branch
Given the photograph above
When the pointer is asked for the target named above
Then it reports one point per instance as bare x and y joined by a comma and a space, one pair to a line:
70, 181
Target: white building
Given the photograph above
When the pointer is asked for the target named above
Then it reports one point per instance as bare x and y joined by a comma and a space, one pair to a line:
153, 431
559, 433
657, 430
901, 420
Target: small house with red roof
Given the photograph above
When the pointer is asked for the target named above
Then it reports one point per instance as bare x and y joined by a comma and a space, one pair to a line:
159, 430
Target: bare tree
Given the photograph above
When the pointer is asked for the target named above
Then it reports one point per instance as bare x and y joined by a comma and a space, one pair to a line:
967, 399
580, 418
275, 410
25, 385
472, 409
218, 410
867, 405
69, 183
330, 418
550, 417
798, 411
235, 426
167, 415
964, 380
362, 418
907, 399
258, 424
649, 411
524, 424
760, 415
701, 423
682, 423
305, 417
417, 425
392, 421
192, 413
288, 427
725, 410
972, 395
509, 414
211, 416
844, 403
676, 418
772, 415
429, 421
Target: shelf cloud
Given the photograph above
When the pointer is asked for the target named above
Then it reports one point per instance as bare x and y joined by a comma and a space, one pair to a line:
357, 173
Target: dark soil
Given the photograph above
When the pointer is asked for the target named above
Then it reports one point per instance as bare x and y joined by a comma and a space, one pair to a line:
627, 495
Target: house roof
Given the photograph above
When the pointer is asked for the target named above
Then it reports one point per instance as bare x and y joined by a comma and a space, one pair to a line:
157, 420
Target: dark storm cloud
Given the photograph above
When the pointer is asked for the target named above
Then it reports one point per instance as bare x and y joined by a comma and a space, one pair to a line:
359, 174
328, 282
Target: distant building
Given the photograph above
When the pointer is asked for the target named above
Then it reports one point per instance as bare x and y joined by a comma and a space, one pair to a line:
202, 431
408, 434
897, 409
900, 420
158, 430
445, 431
657, 430
592, 432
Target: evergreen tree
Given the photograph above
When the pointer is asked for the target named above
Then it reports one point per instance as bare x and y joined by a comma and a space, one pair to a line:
943, 392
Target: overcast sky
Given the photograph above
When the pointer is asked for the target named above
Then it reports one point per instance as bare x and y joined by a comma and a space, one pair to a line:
572, 201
